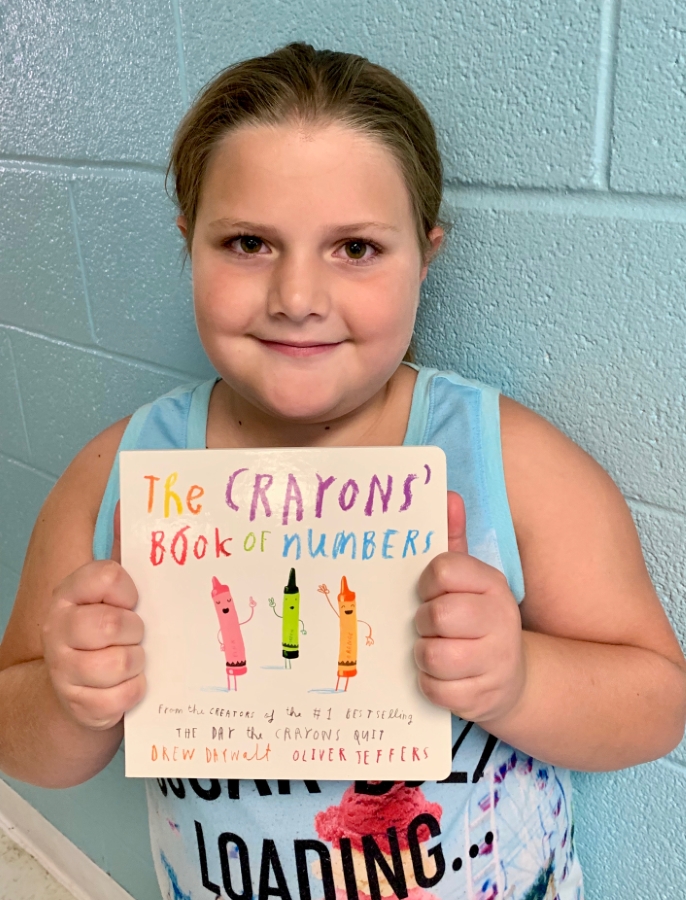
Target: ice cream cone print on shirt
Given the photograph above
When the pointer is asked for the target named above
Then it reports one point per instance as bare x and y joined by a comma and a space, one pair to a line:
380, 841
347, 644
229, 635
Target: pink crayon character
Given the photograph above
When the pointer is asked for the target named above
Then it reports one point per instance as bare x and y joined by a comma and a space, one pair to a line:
229, 635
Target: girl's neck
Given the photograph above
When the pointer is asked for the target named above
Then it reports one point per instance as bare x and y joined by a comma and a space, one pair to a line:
381, 421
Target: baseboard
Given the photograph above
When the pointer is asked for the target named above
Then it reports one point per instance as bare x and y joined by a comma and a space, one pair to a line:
63, 860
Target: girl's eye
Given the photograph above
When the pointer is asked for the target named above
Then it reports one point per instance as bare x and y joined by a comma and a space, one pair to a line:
358, 250
245, 245
249, 243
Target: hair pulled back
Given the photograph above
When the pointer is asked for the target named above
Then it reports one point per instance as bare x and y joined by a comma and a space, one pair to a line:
297, 82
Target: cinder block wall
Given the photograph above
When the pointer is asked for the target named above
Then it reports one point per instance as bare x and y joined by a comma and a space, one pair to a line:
562, 127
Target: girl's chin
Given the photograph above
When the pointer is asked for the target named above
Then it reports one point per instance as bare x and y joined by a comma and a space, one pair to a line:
299, 412
306, 406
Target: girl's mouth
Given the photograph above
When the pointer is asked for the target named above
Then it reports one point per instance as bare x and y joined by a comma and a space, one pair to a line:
299, 349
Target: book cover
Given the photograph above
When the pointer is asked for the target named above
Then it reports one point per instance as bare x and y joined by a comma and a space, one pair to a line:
278, 589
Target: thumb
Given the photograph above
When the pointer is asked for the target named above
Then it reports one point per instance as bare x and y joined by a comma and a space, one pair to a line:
457, 524
116, 540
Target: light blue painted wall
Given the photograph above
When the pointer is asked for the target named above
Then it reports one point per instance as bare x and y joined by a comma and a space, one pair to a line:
563, 131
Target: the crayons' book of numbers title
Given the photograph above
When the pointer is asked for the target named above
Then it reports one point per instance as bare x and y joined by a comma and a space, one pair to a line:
278, 590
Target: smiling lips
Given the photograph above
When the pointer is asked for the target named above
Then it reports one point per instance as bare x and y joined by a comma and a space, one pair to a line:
295, 349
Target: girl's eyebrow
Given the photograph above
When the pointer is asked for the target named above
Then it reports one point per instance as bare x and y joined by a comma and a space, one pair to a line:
269, 231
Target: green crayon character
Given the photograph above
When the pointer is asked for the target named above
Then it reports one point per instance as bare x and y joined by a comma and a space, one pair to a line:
290, 631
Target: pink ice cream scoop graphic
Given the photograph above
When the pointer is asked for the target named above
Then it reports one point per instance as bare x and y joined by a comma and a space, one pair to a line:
230, 636
404, 812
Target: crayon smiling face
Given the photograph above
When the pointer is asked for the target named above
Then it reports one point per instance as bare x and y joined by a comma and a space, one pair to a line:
221, 596
223, 602
346, 599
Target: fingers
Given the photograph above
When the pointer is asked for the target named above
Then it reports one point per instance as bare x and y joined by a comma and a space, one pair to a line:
469, 698
100, 625
92, 644
456, 616
457, 524
107, 668
104, 581
99, 708
458, 573
447, 660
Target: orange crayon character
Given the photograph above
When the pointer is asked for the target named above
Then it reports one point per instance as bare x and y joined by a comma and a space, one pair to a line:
347, 645
229, 635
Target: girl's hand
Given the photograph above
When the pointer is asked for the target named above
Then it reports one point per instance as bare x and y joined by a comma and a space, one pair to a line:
470, 650
91, 642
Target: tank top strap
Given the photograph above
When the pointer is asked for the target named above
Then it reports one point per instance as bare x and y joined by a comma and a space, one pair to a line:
463, 418
175, 421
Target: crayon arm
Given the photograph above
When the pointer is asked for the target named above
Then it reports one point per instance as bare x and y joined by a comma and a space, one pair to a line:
253, 604
272, 603
369, 640
323, 589
219, 638
302, 630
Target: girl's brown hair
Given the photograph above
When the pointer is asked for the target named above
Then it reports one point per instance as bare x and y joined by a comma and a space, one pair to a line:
301, 83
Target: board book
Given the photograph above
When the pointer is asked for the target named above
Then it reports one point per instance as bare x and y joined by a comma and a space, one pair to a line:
278, 590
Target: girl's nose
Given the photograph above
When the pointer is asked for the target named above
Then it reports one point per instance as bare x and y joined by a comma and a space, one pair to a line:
298, 288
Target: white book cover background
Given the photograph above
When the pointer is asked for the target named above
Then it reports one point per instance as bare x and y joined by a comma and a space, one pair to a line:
278, 590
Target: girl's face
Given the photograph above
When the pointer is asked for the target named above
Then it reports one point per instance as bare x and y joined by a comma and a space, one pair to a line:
306, 268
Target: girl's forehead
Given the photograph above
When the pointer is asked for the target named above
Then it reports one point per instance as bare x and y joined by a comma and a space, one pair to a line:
312, 165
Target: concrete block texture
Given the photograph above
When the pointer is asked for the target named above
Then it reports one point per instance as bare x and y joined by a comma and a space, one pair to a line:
95, 81
13, 440
510, 85
41, 286
649, 129
629, 829
23, 491
139, 291
70, 395
9, 582
581, 318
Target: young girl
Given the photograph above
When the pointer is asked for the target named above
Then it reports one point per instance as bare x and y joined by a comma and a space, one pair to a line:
309, 187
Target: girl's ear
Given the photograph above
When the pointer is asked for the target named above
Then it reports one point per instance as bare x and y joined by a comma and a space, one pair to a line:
182, 225
435, 237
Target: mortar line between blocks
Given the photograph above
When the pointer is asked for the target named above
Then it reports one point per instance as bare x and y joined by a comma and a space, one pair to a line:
58, 162
183, 78
604, 113
674, 766
80, 260
647, 506
106, 354
593, 204
29, 468
19, 397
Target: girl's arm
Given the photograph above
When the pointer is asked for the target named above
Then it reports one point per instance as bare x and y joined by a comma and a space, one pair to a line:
591, 676
43, 738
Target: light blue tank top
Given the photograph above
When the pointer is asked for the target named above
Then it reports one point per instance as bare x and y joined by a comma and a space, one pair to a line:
500, 826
